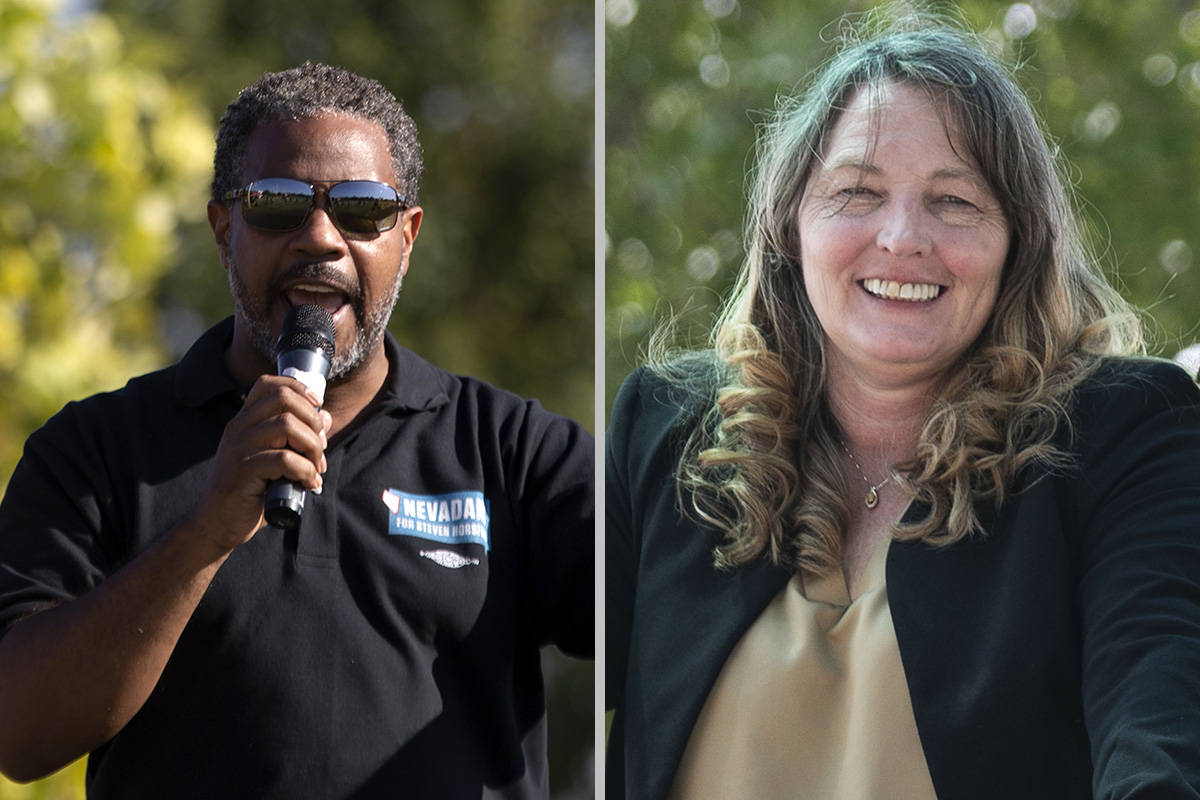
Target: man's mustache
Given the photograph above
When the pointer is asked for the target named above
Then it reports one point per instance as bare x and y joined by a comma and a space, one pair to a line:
320, 272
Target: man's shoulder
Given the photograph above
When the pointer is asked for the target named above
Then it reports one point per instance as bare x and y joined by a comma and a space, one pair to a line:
511, 419
418, 384
111, 406
151, 403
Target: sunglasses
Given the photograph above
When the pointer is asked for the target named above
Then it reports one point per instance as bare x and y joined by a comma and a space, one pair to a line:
358, 208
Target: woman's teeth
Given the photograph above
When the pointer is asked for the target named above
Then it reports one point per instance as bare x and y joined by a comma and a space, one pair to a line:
891, 290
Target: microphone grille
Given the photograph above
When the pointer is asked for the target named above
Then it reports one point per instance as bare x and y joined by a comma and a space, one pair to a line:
307, 327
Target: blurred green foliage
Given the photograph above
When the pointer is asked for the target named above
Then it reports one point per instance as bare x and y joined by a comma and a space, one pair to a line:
107, 266
66, 784
95, 177
1118, 85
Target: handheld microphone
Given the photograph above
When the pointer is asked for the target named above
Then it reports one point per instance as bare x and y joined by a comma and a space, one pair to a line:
304, 352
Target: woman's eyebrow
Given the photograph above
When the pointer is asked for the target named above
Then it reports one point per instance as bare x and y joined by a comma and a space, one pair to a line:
855, 164
961, 173
968, 174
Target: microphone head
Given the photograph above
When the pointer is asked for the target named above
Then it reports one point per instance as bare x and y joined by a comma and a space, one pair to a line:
307, 327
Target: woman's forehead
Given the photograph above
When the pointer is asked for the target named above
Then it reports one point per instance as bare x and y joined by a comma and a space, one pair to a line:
901, 119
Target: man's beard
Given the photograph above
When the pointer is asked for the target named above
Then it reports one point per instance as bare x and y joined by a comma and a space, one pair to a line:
369, 324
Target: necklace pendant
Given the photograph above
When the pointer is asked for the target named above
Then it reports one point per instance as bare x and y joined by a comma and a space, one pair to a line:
872, 498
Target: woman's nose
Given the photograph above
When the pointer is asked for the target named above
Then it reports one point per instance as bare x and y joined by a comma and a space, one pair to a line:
904, 230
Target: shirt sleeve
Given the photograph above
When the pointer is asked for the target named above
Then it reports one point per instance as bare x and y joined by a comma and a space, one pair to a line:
556, 462
1139, 588
51, 517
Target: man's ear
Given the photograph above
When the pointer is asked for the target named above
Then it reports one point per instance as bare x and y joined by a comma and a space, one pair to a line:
410, 224
218, 220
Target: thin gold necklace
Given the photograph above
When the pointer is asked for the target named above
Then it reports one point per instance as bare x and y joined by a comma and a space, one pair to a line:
872, 498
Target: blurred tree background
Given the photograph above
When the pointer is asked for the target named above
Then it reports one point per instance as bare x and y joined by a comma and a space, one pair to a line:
107, 267
686, 84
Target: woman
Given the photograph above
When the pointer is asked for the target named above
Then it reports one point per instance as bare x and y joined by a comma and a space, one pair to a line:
919, 525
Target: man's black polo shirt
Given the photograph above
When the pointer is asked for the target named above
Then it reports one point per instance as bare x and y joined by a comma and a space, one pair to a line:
389, 647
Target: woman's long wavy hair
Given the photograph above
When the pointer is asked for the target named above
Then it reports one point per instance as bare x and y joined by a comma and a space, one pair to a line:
763, 463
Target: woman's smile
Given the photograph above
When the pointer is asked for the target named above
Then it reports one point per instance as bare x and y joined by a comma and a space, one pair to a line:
902, 241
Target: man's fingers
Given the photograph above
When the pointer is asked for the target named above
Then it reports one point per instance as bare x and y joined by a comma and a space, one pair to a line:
272, 395
269, 465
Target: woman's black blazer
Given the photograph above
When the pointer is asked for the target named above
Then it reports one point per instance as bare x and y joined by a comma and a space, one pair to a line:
1058, 656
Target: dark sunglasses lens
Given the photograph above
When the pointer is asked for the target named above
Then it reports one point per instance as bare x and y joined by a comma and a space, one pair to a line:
277, 204
364, 206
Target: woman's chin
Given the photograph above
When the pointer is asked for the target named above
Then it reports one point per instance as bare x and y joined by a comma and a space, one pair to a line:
898, 359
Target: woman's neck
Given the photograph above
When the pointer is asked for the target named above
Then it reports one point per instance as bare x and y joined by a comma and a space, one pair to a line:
880, 421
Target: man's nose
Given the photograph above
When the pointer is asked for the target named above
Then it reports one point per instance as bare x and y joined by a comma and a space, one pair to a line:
319, 233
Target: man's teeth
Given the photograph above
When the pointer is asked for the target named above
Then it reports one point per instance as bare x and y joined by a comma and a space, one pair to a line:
328, 297
891, 290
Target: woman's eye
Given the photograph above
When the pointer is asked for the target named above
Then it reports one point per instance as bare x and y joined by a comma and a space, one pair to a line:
954, 200
854, 200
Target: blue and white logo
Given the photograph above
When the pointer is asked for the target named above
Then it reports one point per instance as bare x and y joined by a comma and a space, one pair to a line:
454, 518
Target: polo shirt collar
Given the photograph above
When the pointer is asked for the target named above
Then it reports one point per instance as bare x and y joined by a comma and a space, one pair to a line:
412, 382
202, 374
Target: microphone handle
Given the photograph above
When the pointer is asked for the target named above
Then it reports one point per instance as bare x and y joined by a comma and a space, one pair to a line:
285, 499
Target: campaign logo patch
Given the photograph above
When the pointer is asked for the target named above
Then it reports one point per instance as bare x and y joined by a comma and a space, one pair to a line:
449, 559
453, 518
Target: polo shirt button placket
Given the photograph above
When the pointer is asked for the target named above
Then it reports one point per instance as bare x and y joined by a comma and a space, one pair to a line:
317, 543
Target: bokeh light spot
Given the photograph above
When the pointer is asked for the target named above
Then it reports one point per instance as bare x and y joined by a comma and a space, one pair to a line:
1175, 256
1019, 21
1159, 69
714, 70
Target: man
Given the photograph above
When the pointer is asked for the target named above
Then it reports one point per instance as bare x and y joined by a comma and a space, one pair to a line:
388, 645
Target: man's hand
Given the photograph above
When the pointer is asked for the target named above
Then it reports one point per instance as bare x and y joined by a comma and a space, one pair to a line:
279, 433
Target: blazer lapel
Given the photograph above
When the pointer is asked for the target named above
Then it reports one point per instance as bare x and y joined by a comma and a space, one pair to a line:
688, 616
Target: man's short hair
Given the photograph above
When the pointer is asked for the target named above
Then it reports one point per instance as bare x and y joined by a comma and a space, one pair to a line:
307, 91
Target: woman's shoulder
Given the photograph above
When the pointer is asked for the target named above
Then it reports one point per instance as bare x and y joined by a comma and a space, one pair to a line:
1132, 409
1135, 385
686, 384
659, 405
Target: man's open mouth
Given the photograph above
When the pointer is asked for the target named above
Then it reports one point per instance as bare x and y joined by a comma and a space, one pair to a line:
327, 297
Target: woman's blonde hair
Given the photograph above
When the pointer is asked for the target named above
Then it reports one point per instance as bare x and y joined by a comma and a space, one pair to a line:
763, 463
